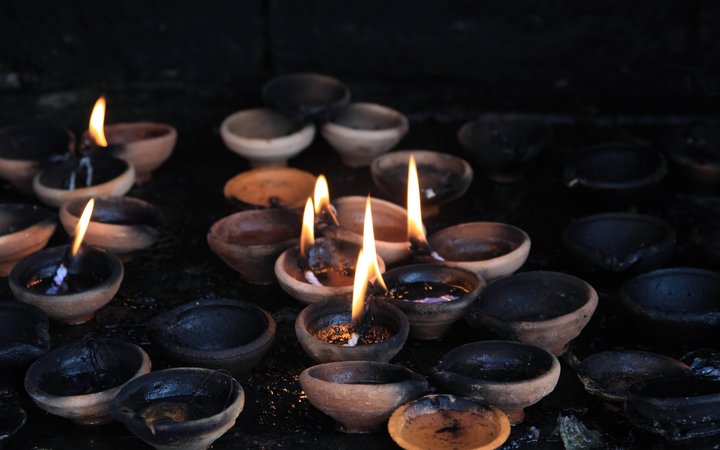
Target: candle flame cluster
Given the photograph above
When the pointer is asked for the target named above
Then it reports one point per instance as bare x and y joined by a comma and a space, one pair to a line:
97, 123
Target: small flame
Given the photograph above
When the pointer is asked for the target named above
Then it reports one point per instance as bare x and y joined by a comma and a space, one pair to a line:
363, 272
369, 244
82, 226
307, 234
415, 227
97, 123
322, 194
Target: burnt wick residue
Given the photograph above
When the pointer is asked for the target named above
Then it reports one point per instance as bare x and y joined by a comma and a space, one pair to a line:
340, 334
427, 292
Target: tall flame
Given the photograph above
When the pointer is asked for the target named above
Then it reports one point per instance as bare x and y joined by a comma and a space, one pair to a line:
369, 244
97, 123
363, 272
322, 194
307, 234
415, 227
82, 226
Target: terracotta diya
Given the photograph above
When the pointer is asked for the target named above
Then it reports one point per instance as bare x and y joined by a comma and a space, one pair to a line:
24, 229
360, 395
305, 95
270, 187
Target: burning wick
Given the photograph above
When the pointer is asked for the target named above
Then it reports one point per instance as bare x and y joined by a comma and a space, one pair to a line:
415, 228
307, 239
61, 272
363, 272
323, 208
97, 123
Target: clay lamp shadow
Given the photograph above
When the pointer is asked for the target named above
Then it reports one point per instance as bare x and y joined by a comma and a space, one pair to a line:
685, 408
432, 296
24, 337
214, 333
69, 283
608, 375
695, 151
145, 145
251, 241
509, 375
339, 388
12, 419
122, 225
443, 177
447, 422
265, 137
361, 131
25, 149
270, 187
305, 96
620, 242
183, 408
545, 309
24, 229
504, 145
616, 170
678, 304
78, 381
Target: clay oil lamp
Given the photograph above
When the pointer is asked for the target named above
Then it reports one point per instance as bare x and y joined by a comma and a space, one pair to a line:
122, 225
360, 395
616, 170
69, 283
509, 375
307, 96
78, 381
504, 145
447, 422
679, 303
215, 333
23, 338
610, 374
145, 145
24, 149
270, 187
695, 151
545, 309
444, 177
490, 249
12, 419
680, 408
183, 408
251, 241
620, 242
361, 131
24, 229
265, 137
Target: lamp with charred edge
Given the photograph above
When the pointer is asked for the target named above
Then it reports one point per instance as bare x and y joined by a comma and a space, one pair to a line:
80, 230
419, 246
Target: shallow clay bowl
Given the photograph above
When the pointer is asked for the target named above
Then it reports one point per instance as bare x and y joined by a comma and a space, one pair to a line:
389, 225
336, 311
24, 229
490, 249
215, 333
616, 169
360, 395
24, 149
509, 375
183, 408
504, 145
620, 242
103, 270
442, 177
610, 374
430, 321
23, 338
111, 177
305, 95
251, 241
545, 309
78, 381
696, 152
12, 419
683, 302
265, 136
361, 131
119, 224
446, 422
271, 187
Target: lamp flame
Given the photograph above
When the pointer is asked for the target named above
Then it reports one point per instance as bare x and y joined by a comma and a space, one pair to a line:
97, 123
363, 272
369, 244
322, 194
82, 226
415, 227
307, 234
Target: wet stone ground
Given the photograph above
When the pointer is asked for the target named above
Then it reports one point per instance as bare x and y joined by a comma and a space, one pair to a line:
181, 267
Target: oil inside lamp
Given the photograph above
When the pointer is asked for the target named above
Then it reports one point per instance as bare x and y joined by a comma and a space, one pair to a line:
427, 292
415, 229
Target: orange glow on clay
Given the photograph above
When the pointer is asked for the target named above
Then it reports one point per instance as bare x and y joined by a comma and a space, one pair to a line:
415, 227
82, 226
307, 234
97, 123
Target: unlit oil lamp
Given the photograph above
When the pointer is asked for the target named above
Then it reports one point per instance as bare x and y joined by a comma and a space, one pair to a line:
270, 187
305, 96
24, 229
69, 283
694, 150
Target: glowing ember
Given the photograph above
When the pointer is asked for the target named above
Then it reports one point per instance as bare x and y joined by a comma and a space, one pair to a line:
97, 123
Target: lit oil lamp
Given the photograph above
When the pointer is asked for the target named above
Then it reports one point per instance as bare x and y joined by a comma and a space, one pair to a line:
69, 283
24, 229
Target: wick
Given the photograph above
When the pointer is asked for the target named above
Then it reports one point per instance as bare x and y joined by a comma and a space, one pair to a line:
422, 248
311, 278
353, 341
85, 162
58, 279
